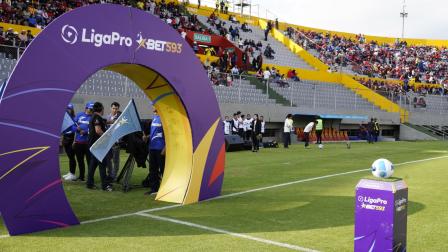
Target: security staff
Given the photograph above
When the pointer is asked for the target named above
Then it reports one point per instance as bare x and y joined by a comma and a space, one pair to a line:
156, 153
68, 138
81, 144
97, 127
319, 128
376, 130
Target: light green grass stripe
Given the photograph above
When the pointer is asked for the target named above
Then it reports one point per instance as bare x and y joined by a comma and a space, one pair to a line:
222, 231
253, 190
315, 178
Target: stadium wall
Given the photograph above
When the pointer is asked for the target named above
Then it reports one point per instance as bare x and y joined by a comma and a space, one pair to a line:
409, 134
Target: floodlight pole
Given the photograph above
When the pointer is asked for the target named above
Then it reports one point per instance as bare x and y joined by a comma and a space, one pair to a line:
403, 15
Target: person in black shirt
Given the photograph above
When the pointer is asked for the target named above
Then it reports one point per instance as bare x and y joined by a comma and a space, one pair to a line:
256, 133
97, 127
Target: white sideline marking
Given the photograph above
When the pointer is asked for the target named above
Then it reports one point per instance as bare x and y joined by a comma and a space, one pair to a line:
248, 191
129, 214
222, 231
312, 179
254, 190
4, 236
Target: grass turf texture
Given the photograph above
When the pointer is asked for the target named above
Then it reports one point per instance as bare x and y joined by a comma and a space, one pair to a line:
316, 214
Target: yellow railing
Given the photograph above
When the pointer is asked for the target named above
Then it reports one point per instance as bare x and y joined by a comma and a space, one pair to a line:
19, 28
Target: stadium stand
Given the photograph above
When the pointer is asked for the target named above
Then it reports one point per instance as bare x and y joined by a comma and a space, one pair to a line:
317, 94
319, 90
282, 56
426, 64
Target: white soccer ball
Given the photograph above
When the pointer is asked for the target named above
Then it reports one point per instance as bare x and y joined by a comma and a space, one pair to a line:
321, 146
382, 168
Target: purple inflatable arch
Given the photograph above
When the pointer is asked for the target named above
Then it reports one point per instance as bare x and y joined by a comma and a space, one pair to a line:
52, 69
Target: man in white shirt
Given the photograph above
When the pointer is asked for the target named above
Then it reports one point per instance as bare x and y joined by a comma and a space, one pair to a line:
235, 124
248, 127
241, 125
262, 130
308, 129
226, 125
287, 131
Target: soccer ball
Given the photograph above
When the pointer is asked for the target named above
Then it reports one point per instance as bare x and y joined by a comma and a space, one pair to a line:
321, 146
382, 168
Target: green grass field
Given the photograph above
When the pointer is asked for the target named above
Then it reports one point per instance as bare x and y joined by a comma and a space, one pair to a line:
316, 214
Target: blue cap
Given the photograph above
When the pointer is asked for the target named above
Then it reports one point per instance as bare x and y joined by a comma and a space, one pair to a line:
89, 105
70, 106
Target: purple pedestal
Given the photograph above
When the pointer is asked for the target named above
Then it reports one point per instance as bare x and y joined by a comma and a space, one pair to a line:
381, 216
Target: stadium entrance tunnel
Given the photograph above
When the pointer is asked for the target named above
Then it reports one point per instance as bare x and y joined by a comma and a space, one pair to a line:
135, 44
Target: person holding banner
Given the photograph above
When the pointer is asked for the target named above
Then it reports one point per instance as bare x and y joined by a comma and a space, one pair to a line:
101, 141
68, 137
114, 162
156, 153
97, 127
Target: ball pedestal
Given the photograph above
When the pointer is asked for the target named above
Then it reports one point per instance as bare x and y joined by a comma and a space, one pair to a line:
381, 215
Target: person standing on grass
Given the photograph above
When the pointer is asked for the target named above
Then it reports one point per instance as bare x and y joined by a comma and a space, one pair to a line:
226, 125
307, 131
114, 162
376, 130
263, 129
370, 133
287, 128
97, 127
156, 153
248, 127
81, 143
256, 133
68, 138
319, 128
234, 124
241, 126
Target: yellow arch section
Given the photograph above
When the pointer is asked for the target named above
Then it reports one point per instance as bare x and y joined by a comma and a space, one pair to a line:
178, 136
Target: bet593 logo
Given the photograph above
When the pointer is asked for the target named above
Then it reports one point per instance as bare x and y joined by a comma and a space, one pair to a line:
71, 36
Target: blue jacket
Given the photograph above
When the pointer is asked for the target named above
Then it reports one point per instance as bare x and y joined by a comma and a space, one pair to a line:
157, 138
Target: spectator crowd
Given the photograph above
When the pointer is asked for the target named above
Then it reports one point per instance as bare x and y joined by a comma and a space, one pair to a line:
427, 64
40, 13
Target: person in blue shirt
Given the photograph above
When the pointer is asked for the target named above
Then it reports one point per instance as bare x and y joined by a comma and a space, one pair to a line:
156, 153
68, 137
81, 143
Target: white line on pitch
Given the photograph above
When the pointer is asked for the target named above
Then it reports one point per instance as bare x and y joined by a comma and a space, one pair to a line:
222, 231
312, 179
255, 190
129, 214
4, 236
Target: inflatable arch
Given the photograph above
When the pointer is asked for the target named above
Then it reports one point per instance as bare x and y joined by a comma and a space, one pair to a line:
71, 49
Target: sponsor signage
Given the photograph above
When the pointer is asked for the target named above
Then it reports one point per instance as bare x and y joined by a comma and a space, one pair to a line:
90, 36
202, 38
380, 215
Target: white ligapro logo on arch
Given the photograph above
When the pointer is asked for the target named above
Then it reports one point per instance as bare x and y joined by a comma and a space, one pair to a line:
69, 34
